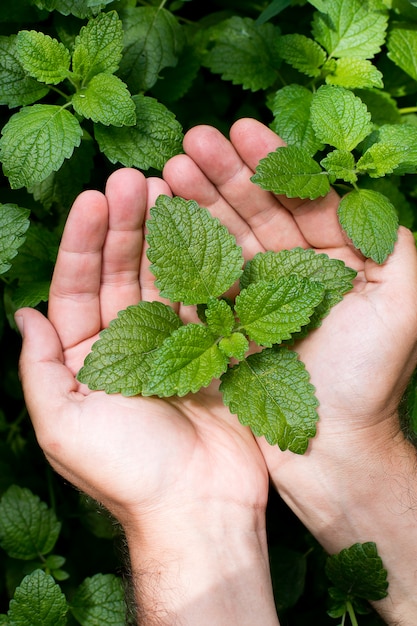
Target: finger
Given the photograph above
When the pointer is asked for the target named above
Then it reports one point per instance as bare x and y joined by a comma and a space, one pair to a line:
126, 194
220, 180
316, 219
46, 382
74, 306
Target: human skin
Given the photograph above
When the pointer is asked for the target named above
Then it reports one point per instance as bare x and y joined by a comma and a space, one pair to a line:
357, 480
186, 481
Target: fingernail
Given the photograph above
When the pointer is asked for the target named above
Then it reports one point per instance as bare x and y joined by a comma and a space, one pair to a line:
19, 323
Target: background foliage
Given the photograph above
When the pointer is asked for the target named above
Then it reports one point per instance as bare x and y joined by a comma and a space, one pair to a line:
87, 86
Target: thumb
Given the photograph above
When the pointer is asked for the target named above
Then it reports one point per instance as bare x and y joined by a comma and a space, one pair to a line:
45, 379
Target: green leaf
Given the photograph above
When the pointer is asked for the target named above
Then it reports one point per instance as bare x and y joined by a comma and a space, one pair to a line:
153, 39
156, 137
98, 47
302, 53
33, 267
236, 346
219, 317
16, 87
353, 73
291, 110
38, 601
107, 100
340, 164
358, 571
370, 221
193, 255
271, 311
62, 187
270, 392
351, 29
288, 573
244, 53
188, 360
394, 150
121, 360
381, 105
402, 47
99, 600
36, 141
333, 274
28, 529
274, 8
290, 170
14, 222
42, 57
339, 118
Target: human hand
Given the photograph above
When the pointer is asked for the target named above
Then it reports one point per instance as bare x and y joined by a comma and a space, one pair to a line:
359, 360
184, 478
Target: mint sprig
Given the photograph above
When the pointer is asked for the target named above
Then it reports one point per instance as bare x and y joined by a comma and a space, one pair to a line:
148, 350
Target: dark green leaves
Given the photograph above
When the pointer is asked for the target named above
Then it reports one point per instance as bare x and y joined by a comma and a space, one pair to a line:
35, 142
28, 529
357, 574
185, 244
14, 223
38, 601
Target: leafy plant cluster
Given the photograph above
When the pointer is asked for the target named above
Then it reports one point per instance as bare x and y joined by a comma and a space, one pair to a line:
87, 86
148, 350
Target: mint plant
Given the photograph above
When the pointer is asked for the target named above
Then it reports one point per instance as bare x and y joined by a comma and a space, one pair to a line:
358, 576
87, 86
38, 138
29, 531
148, 350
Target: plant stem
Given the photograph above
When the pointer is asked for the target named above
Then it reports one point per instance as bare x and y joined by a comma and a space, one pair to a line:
406, 110
351, 612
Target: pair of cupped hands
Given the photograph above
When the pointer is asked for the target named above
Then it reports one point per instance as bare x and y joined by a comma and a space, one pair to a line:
151, 460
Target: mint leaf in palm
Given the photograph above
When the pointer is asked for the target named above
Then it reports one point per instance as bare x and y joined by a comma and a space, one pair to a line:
122, 359
333, 274
340, 164
193, 256
371, 222
270, 392
272, 311
187, 360
291, 171
219, 317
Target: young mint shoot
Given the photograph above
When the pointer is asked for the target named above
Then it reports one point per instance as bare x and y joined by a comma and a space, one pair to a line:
148, 350
358, 576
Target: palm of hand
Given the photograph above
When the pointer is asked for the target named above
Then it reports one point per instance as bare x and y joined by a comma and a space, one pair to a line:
135, 455
357, 375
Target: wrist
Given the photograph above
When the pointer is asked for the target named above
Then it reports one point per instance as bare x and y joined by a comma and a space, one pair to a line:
368, 495
203, 570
